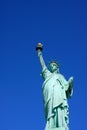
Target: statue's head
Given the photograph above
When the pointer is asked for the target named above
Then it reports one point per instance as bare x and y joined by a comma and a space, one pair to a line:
54, 66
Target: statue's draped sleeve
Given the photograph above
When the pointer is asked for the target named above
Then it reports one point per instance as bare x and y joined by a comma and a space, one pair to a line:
45, 73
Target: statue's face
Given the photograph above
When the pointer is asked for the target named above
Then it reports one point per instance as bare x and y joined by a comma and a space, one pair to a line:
53, 67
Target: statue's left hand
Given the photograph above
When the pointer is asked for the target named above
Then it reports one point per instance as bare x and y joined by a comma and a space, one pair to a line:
70, 80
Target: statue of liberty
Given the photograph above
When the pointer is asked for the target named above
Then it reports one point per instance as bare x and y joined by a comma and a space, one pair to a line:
56, 90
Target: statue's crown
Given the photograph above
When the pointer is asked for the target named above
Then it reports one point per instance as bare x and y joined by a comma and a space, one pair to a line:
55, 62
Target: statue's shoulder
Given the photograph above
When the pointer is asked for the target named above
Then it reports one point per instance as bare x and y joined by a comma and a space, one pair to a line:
60, 75
46, 73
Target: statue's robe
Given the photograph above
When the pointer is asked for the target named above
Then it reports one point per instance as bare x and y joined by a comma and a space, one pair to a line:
55, 92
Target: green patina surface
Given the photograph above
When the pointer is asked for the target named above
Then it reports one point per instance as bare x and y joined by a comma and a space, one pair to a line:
56, 91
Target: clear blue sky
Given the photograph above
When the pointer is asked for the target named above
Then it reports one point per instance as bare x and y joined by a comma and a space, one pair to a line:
62, 28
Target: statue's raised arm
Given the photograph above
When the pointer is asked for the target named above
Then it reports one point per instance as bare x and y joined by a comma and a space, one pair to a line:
56, 91
39, 49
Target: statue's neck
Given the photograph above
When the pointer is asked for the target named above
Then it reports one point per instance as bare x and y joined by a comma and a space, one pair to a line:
55, 72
